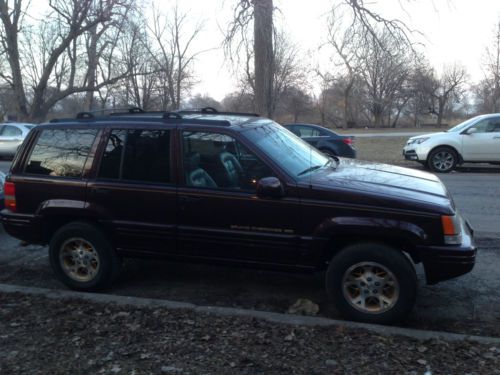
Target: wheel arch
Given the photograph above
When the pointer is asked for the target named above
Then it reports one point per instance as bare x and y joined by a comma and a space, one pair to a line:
342, 232
459, 155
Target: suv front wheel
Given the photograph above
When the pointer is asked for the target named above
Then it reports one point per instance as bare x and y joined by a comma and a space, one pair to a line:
82, 257
372, 283
442, 160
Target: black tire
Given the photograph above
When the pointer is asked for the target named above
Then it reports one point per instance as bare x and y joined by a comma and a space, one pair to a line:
375, 257
83, 247
442, 160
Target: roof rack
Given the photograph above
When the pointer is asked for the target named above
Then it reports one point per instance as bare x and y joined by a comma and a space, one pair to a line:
90, 114
213, 111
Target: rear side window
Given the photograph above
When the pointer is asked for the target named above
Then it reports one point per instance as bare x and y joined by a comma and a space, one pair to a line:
61, 152
137, 155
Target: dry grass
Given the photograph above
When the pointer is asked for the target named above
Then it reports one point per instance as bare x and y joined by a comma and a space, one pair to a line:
382, 149
389, 130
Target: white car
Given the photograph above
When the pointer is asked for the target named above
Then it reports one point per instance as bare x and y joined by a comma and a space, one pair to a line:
476, 140
12, 135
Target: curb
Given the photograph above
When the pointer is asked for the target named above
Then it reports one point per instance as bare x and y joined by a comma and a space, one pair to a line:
229, 311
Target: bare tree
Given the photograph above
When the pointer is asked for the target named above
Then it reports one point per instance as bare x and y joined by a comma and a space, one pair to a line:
171, 50
346, 41
421, 86
260, 13
447, 89
488, 90
385, 67
53, 50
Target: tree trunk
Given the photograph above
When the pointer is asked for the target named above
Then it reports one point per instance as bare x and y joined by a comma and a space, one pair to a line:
92, 69
263, 56
12, 48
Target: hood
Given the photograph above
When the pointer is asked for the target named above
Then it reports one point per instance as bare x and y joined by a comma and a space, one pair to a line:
428, 135
382, 180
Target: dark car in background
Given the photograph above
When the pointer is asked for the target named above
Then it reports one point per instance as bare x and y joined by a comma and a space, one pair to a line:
325, 140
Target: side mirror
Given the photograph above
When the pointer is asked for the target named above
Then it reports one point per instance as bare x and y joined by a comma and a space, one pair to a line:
270, 187
470, 131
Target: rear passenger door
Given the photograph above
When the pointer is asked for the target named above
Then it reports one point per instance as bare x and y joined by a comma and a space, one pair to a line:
134, 192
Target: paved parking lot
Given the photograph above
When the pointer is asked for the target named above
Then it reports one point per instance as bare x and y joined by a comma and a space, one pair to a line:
468, 304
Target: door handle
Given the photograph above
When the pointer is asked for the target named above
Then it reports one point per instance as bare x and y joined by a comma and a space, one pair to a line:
186, 199
496, 137
101, 191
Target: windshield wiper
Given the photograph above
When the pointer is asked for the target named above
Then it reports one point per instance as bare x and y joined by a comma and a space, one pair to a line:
310, 169
332, 159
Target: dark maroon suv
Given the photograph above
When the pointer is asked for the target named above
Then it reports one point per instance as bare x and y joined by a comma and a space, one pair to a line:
231, 188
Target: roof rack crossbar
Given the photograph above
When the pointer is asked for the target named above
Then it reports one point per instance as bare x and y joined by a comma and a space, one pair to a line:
171, 115
211, 110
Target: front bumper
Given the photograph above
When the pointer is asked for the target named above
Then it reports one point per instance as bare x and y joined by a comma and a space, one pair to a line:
416, 152
446, 262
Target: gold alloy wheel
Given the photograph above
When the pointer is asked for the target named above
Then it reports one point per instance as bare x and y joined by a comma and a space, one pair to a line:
370, 287
79, 259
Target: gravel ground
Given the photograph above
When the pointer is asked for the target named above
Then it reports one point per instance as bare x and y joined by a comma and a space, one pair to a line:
45, 336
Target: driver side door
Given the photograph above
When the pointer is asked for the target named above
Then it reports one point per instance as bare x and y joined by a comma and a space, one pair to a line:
221, 219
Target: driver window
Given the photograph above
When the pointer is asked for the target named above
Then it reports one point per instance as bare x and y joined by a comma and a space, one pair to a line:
215, 160
487, 125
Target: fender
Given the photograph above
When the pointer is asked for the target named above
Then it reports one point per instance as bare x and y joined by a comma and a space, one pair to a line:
365, 227
71, 210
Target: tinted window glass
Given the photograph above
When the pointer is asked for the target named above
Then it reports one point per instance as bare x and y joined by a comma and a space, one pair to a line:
111, 160
215, 160
146, 155
306, 131
61, 152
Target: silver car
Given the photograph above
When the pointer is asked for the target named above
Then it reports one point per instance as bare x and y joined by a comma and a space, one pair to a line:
12, 134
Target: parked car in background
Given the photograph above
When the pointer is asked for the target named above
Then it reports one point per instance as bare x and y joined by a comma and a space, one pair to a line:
325, 140
2, 182
12, 134
476, 140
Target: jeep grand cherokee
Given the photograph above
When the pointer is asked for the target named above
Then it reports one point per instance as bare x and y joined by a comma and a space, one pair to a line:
231, 188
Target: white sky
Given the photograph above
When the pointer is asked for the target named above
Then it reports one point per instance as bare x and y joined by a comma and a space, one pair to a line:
455, 31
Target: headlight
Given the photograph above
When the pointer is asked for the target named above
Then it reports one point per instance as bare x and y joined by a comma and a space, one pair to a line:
417, 140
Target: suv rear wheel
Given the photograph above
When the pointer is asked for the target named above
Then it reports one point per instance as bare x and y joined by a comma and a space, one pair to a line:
372, 283
82, 257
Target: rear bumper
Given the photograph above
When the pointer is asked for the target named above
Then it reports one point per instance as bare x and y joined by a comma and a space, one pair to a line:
22, 226
446, 262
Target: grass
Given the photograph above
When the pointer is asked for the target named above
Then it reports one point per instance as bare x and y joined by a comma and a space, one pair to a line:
388, 130
382, 150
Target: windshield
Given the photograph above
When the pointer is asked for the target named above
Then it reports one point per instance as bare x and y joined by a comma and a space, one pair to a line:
463, 125
291, 153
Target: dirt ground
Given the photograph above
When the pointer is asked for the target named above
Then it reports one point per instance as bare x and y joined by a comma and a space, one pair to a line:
43, 336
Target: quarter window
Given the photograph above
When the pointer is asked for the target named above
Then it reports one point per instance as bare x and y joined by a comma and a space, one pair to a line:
61, 152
